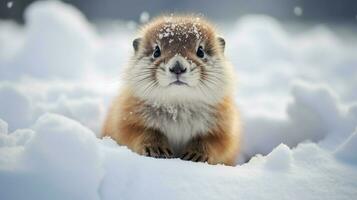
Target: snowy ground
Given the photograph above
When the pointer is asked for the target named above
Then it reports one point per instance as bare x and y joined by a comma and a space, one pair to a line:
296, 91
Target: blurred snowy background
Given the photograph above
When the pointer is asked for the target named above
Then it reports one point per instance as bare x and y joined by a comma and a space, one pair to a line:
297, 67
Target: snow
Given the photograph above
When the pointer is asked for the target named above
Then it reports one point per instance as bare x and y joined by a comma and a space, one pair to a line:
182, 31
3, 127
70, 164
144, 17
279, 159
314, 114
9, 4
65, 48
76, 161
58, 73
347, 150
298, 11
14, 102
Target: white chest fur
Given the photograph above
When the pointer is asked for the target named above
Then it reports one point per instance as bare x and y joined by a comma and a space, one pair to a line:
180, 123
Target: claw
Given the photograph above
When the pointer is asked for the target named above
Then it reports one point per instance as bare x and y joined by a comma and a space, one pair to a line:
163, 154
192, 156
147, 151
169, 152
158, 152
184, 155
197, 159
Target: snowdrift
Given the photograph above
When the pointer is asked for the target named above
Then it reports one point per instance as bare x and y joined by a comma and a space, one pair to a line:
58, 73
58, 158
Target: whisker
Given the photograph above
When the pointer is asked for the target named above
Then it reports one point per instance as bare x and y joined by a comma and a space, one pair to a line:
204, 84
150, 86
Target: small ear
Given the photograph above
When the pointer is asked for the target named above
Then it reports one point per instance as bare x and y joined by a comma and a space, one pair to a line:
136, 43
222, 42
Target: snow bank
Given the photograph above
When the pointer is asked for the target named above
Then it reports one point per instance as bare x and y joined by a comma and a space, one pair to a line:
12, 103
315, 114
3, 127
61, 159
59, 42
78, 103
296, 145
58, 63
347, 150
268, 58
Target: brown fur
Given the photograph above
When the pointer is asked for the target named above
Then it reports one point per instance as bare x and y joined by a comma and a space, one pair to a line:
126, 124
221, 144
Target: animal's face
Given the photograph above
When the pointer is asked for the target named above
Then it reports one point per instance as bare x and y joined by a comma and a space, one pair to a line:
178, 60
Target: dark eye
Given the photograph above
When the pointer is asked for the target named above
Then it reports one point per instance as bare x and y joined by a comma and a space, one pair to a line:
157, 52
200, 53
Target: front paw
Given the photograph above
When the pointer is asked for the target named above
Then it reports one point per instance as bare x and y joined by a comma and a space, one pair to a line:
195, 156
158, 151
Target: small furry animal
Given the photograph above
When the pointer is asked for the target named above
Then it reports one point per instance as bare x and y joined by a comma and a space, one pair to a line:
177, 97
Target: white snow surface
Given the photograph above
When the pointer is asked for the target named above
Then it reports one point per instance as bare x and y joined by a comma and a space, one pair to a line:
296, 92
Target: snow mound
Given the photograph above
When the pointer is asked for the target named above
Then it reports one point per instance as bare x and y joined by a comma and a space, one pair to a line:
3, 127
78, 104
68, 166
279, 159
12, 103
315, 114
61, 159
347, 151
59, 42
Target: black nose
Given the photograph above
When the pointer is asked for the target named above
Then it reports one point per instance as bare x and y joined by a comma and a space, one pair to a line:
178, 68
